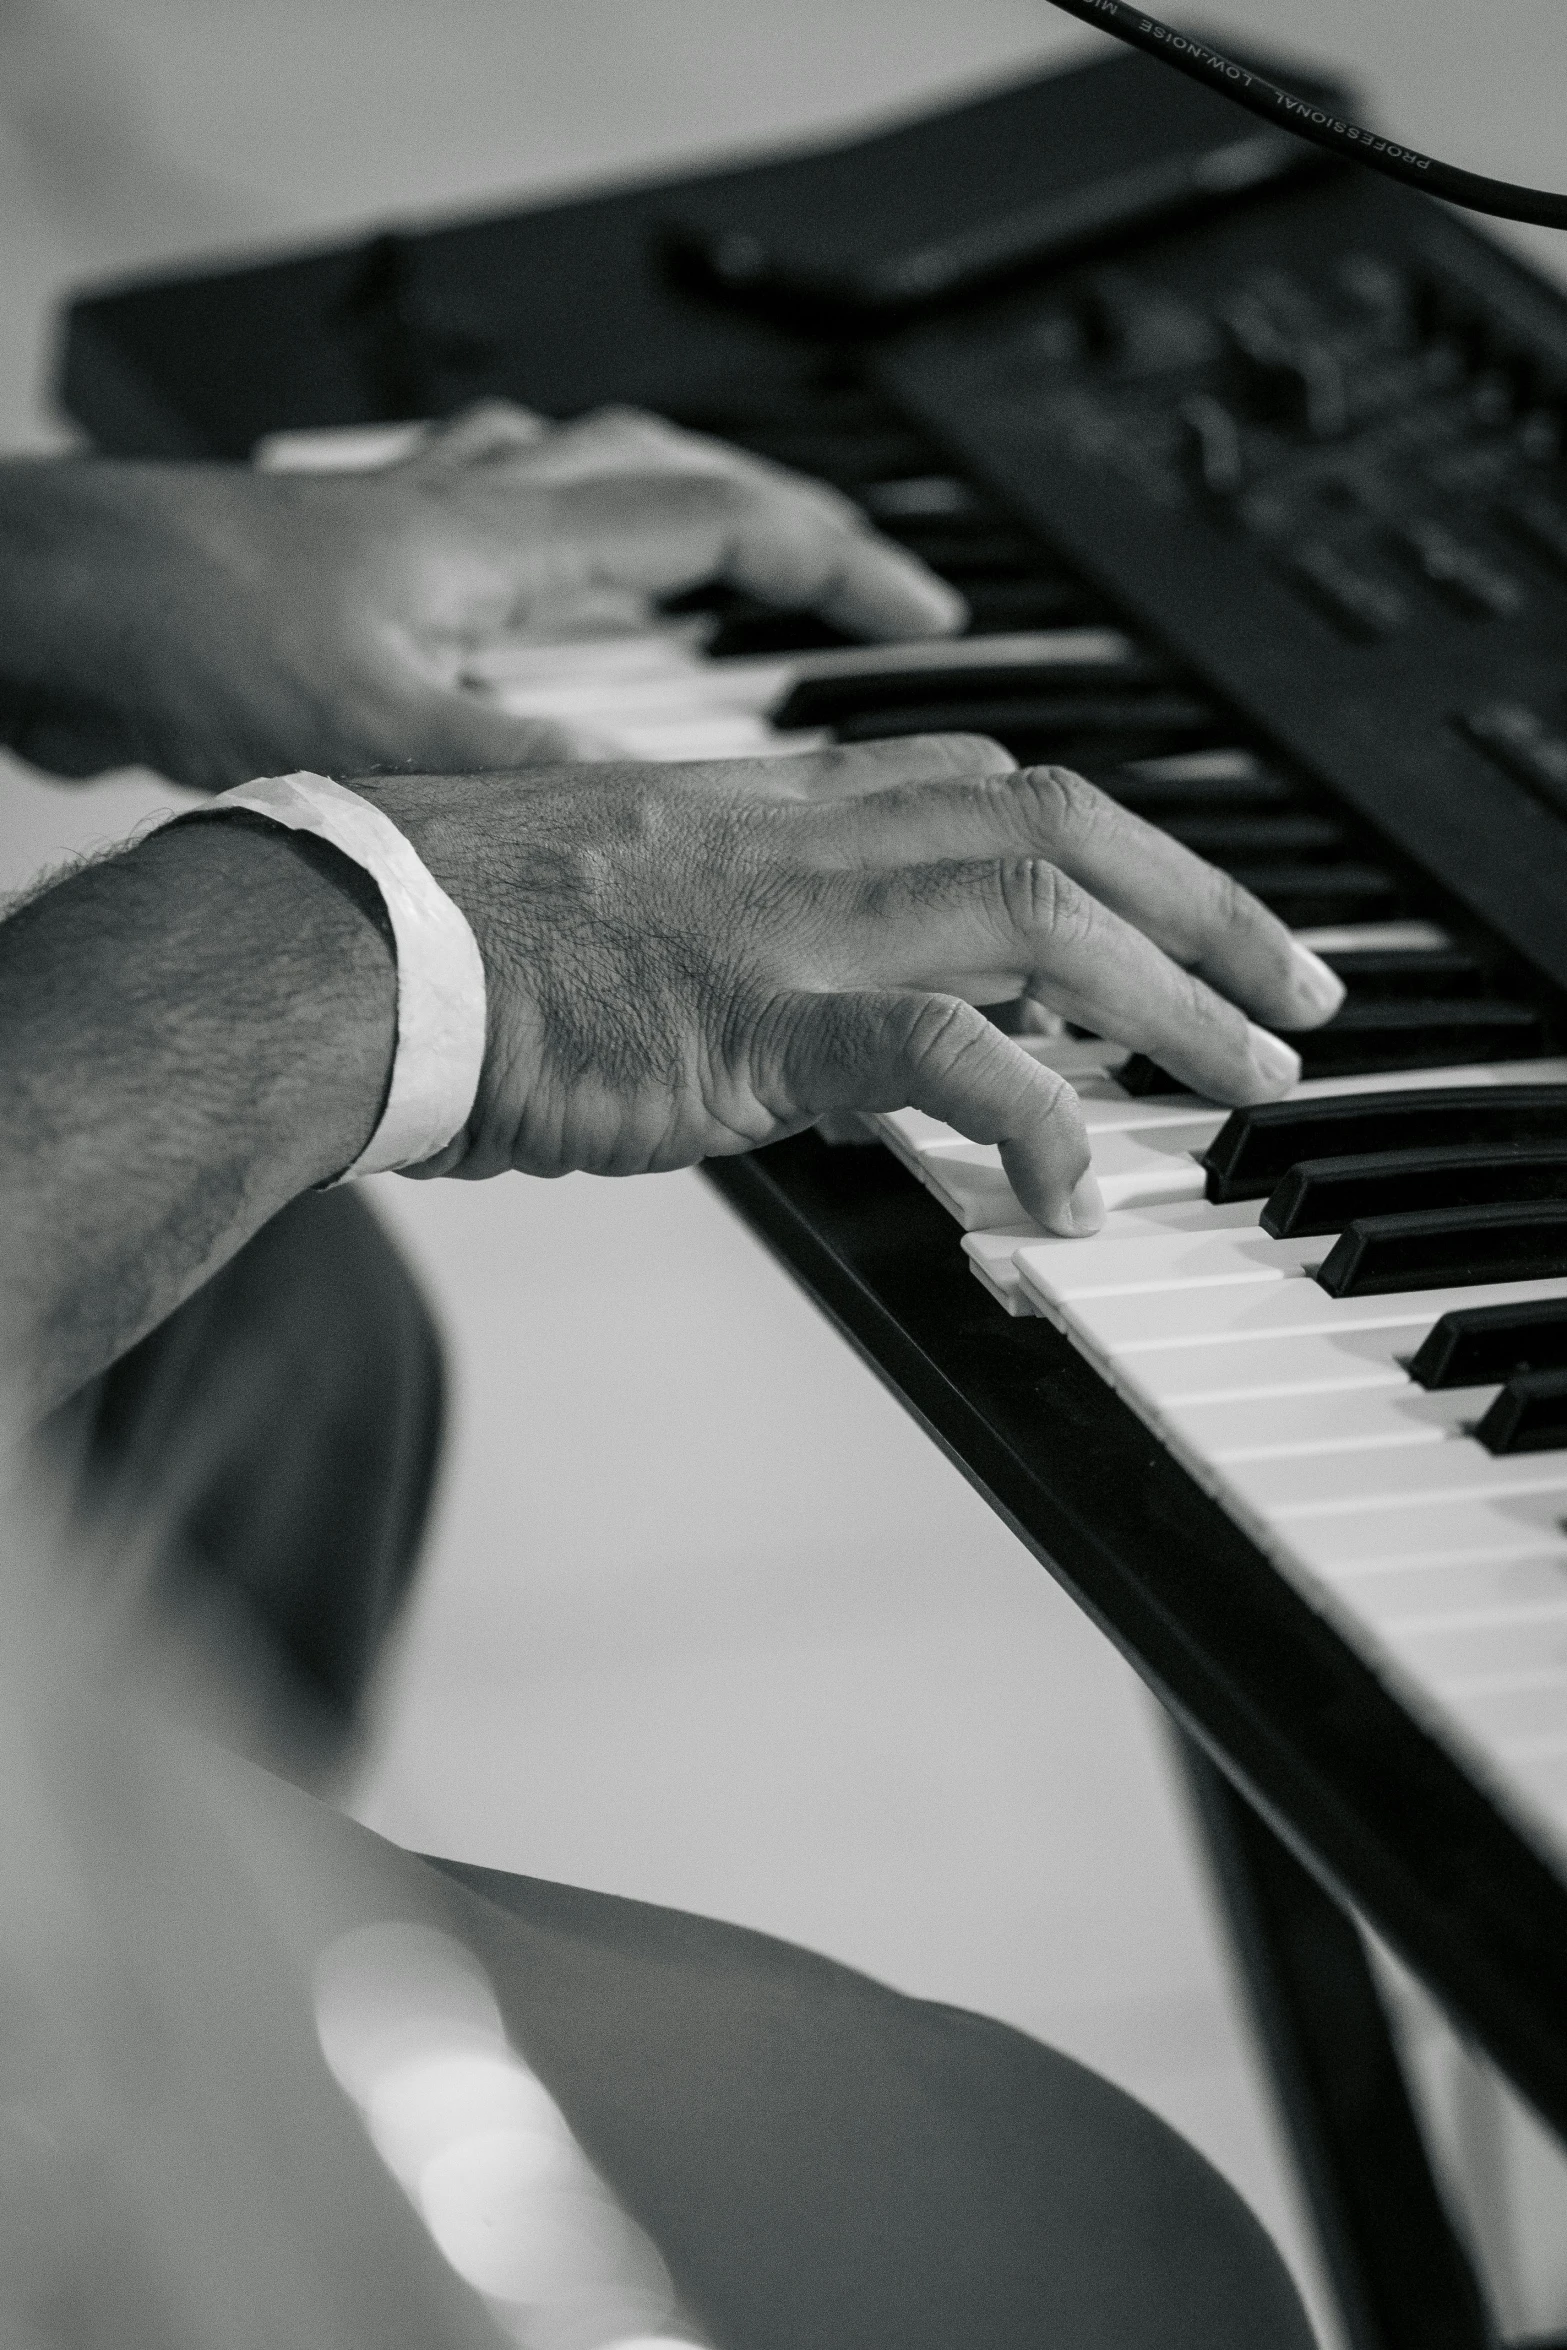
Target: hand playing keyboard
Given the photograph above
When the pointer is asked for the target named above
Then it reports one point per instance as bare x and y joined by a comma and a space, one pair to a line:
685, 962
243, 621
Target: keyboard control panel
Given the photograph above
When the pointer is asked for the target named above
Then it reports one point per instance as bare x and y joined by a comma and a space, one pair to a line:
1319, 448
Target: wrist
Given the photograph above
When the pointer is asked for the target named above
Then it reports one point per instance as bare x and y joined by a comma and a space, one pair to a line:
442, 998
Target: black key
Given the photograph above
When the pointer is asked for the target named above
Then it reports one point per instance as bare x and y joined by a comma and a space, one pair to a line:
1364, 1037
828, 701
1019, 568
767, 630
847, 458
1280, 839
1323, 1195
977, 551
796, 404
1444, 1248
1530, 1415
998, 605
1254, 1147
1476, 1345
1165, 789
1040, 720
1381, 974
1307, 896
1140, 1076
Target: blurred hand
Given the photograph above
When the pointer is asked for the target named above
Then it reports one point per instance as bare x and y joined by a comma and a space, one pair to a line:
218, 622
685, 962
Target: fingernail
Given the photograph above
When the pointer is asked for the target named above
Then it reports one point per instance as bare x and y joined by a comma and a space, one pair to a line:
1321, 987
948, 611
1086, 1207
1271, 1057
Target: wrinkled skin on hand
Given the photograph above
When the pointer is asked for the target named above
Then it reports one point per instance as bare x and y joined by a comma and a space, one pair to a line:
224, 622
686, 962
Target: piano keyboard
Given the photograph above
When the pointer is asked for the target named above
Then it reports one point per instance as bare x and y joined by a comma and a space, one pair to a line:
1381, 1402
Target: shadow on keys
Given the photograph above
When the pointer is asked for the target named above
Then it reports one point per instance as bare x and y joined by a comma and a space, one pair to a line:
266, 2078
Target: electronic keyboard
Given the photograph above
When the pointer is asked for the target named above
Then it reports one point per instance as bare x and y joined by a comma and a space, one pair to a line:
1261, 516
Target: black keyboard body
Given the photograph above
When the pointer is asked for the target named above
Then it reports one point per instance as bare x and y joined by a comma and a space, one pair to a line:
1351, 558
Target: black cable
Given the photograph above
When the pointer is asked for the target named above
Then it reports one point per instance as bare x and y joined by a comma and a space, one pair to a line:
1501, 198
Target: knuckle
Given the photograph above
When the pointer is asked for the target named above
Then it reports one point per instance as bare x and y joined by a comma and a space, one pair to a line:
1228, 904
1045, 902
972, 754
1065, 805
942, 1033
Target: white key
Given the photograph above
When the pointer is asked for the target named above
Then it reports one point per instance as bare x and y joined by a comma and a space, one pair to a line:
1225, 1370
969, 1181
337, 448
1457, 1595
1076, 1057
1519, 1645
707, 738
1326, 1484
911, 1133
642, 696
1165, 1220
1424, 1080
1113, 1112
1272, 1427
1172, 1318
991, 1260
1027, 648
1420, 1533
993, 1255
1219, 766
1133, 1169
1345, 938
1517, 1711
1102, 1267
1537, 1786
672, 651
1149, 1165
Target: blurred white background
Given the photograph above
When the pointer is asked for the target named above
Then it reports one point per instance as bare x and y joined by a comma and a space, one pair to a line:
706, 1619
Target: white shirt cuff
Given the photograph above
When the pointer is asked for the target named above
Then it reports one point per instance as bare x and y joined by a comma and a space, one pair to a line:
440, 976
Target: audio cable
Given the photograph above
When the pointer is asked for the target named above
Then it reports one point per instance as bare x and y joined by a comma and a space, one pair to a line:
1502, 199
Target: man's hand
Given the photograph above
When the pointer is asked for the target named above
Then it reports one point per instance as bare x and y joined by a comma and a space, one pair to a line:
217, 622
681, 962
683, 965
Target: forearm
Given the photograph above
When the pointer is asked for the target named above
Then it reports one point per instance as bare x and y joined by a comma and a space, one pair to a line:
190, 1035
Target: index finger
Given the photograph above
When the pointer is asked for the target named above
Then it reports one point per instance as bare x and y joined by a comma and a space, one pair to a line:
778, 534
880, 1049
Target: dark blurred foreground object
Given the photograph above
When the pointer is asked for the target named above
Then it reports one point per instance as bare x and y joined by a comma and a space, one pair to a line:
821, 2163
269, 1454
